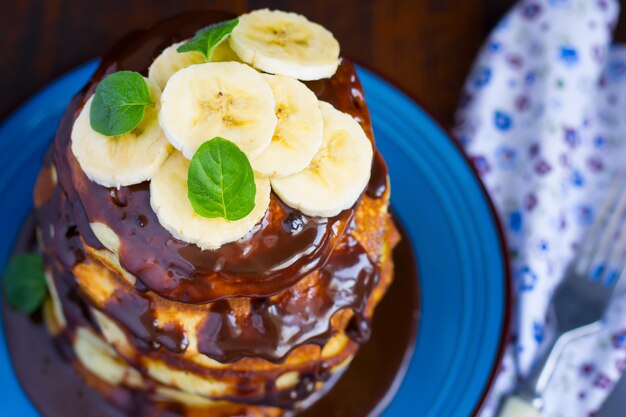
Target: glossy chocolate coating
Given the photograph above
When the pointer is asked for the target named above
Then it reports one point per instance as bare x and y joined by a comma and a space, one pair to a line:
282, 249
57, 390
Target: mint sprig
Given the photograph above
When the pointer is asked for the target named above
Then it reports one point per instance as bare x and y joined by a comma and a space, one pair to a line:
205, 40
220, 181
119, 103
24, 282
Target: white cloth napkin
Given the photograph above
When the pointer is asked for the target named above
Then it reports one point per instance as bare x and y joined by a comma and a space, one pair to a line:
543, 117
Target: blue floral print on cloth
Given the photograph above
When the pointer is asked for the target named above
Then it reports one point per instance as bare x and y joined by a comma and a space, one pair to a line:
543, 118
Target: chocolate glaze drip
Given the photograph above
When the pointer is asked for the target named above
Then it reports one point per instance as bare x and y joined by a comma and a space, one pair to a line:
135, 311
285, 240
377, 186
62, 245
297, 317
275, 325
282, 249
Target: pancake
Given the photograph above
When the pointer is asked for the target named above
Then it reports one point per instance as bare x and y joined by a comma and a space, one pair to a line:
253, 328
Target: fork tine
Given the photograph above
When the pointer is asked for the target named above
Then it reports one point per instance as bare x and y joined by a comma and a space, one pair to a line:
605, 249
586, 251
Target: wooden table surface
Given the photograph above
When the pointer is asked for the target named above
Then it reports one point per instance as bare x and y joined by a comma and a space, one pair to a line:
424, 46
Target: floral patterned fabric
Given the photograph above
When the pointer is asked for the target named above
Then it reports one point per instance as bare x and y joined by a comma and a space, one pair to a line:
543, 117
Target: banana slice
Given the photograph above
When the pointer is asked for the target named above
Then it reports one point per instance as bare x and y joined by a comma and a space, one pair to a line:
298, 134
285, 43
170, 61
224, 53
168, 197
338, 173
226, 99
121, 160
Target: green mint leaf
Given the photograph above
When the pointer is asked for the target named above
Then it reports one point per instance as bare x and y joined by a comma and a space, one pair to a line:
24, 282
119, 103
220, 181
205, 40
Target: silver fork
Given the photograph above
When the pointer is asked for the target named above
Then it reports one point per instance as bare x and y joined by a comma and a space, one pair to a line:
580, 301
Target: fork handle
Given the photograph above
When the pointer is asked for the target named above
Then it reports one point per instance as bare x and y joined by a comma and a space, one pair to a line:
528, 402
516, 406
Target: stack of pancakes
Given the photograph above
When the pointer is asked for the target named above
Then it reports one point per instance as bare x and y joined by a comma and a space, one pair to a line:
253, 328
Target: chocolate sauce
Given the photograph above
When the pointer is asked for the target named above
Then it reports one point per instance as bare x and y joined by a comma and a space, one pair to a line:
44, 187
378, 181
370, 383
180, 271
136, 313
60, 234
296, 317
365, 389
270, 259
272, 328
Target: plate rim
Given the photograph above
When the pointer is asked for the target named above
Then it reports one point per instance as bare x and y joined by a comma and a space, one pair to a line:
509, 300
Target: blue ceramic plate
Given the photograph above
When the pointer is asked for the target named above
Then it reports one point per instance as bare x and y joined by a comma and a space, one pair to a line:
436, 195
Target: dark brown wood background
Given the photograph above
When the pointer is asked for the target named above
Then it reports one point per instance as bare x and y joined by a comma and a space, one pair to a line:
424, 46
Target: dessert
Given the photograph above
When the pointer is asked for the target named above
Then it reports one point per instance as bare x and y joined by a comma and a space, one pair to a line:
213, 215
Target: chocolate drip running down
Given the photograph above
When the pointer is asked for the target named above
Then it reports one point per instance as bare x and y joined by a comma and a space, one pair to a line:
297, 317
137, 314
286, 246
275, 325
57, 390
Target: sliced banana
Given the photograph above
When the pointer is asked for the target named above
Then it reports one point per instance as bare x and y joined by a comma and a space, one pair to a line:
121, 160
168, 197
285, 43
226, 99
338, 173
223, 53
298, 134
170, 61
